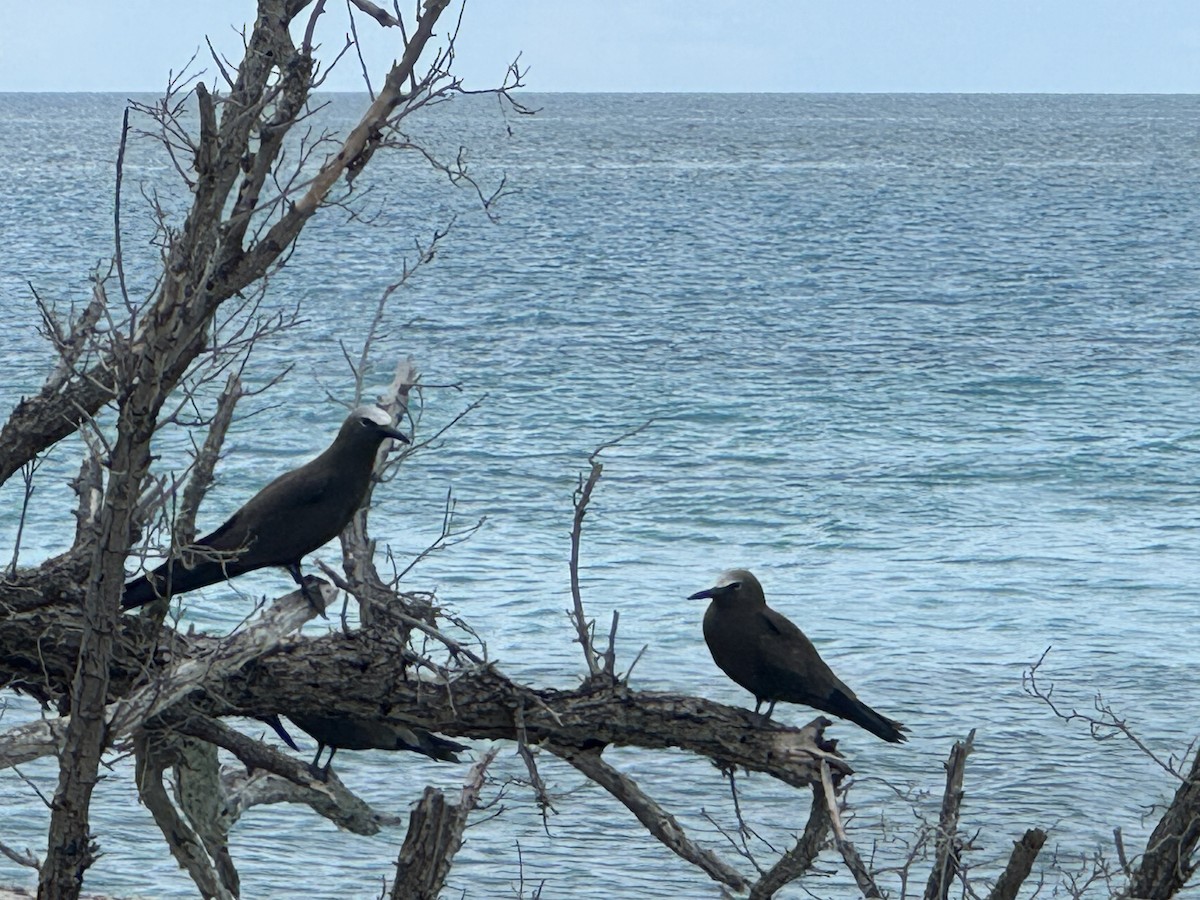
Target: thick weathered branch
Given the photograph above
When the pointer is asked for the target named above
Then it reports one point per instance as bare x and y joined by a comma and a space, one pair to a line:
70, 848
1169, 861
197, 788
1020, 864
435, 831
270, 776
801, 857
187, 848
948, 846
478, 703
208, 668
656, 820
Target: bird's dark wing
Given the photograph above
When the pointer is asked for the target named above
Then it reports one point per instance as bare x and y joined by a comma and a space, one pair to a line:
291, 494
792, 663
789, 659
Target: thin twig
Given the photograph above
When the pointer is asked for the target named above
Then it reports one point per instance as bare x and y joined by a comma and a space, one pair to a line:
1102, 727
583, 494
358, 49
541, 794
119, 256
28, 487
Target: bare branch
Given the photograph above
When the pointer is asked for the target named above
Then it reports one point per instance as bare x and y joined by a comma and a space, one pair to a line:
800, 858
27, 472
1103, 726
382, 16
854, 862
583, 627
435, 831
118, 255
44, 736
183, 842
656, 820
206, 461
270, 776
1169, 860
1020, 864
948, 844
26, 859
540, 793
358, 50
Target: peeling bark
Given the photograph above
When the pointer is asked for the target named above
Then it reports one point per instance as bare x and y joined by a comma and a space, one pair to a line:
1020, 864
1169, 860
435, 832
948, 844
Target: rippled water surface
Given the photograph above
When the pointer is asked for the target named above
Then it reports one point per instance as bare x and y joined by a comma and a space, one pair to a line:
927, 364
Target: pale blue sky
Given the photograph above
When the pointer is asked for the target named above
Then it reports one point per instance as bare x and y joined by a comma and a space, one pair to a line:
666, 45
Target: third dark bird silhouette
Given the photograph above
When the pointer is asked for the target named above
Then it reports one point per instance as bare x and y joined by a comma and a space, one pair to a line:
292, 516
350, 733
761, 650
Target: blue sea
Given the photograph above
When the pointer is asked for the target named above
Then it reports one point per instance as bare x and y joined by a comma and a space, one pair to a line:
929, 365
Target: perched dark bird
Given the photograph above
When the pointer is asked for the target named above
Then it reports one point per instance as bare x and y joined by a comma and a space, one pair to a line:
292, 516
350, 733
769, 656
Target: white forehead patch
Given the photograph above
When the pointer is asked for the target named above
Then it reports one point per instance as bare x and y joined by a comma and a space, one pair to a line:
732, 576
374, 413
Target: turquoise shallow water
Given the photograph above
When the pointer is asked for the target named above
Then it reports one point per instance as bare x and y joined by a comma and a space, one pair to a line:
927, 364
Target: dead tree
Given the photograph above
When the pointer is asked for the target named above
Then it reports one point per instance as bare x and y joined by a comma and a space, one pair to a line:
254, 176
255, 173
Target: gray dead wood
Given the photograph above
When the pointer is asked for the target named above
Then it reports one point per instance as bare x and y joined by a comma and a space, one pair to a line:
1169, 860
212, 664
800, 858
948, 845
479, 702
850, 855
653, 817
435, 832
209, 866
1020, 864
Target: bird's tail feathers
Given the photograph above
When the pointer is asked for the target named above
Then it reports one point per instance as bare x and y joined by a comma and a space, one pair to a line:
859, 713
173, 577
138, 592
435, 747
277, 727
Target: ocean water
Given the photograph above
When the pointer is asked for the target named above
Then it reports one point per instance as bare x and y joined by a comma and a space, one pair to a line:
926, 364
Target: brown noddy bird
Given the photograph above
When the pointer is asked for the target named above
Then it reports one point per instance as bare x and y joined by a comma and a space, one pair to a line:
352, 733
289, 518
770, 657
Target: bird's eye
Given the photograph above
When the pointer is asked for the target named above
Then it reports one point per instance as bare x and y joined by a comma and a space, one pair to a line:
734, 585
366, 423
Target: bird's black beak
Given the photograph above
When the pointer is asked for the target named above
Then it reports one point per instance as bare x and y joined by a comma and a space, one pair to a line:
703, 595
394, 433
